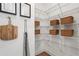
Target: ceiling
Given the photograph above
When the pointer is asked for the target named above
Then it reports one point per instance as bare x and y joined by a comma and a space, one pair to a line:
44, 6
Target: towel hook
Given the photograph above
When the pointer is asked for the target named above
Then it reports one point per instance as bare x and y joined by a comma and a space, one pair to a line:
9, 21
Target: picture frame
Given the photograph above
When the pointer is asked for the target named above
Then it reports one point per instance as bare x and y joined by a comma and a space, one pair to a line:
9, 8
25, 10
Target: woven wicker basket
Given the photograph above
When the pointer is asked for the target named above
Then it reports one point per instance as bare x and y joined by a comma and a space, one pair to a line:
8, 32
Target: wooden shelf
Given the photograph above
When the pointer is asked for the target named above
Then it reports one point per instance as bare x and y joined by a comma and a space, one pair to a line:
67, 33
67, 20
54, 22
54, 32
37, 31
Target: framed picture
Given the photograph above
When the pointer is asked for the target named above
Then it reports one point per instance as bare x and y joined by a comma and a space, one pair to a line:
9, 8
25, 10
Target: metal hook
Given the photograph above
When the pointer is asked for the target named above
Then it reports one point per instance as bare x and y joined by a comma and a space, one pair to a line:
9, 22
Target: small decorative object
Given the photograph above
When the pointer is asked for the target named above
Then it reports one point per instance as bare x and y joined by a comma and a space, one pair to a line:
68, 33
54, 22
67, 20
8, 32
9, 8
25, 10
54, 32
37, 31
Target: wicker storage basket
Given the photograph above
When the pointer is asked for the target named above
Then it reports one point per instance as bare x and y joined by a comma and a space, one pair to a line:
67, 20
8, 32
54, 32
67, 33
54, 22
37, 23
37, 31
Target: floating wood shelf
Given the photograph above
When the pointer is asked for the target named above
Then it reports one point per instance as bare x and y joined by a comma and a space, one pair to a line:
54, 32
67, 33
37, 31
37, 23
54, 22
67, 20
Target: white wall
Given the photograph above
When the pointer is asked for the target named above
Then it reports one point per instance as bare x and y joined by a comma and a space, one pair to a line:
39, 40
59, 45
30, 31
15, 47
66, 45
